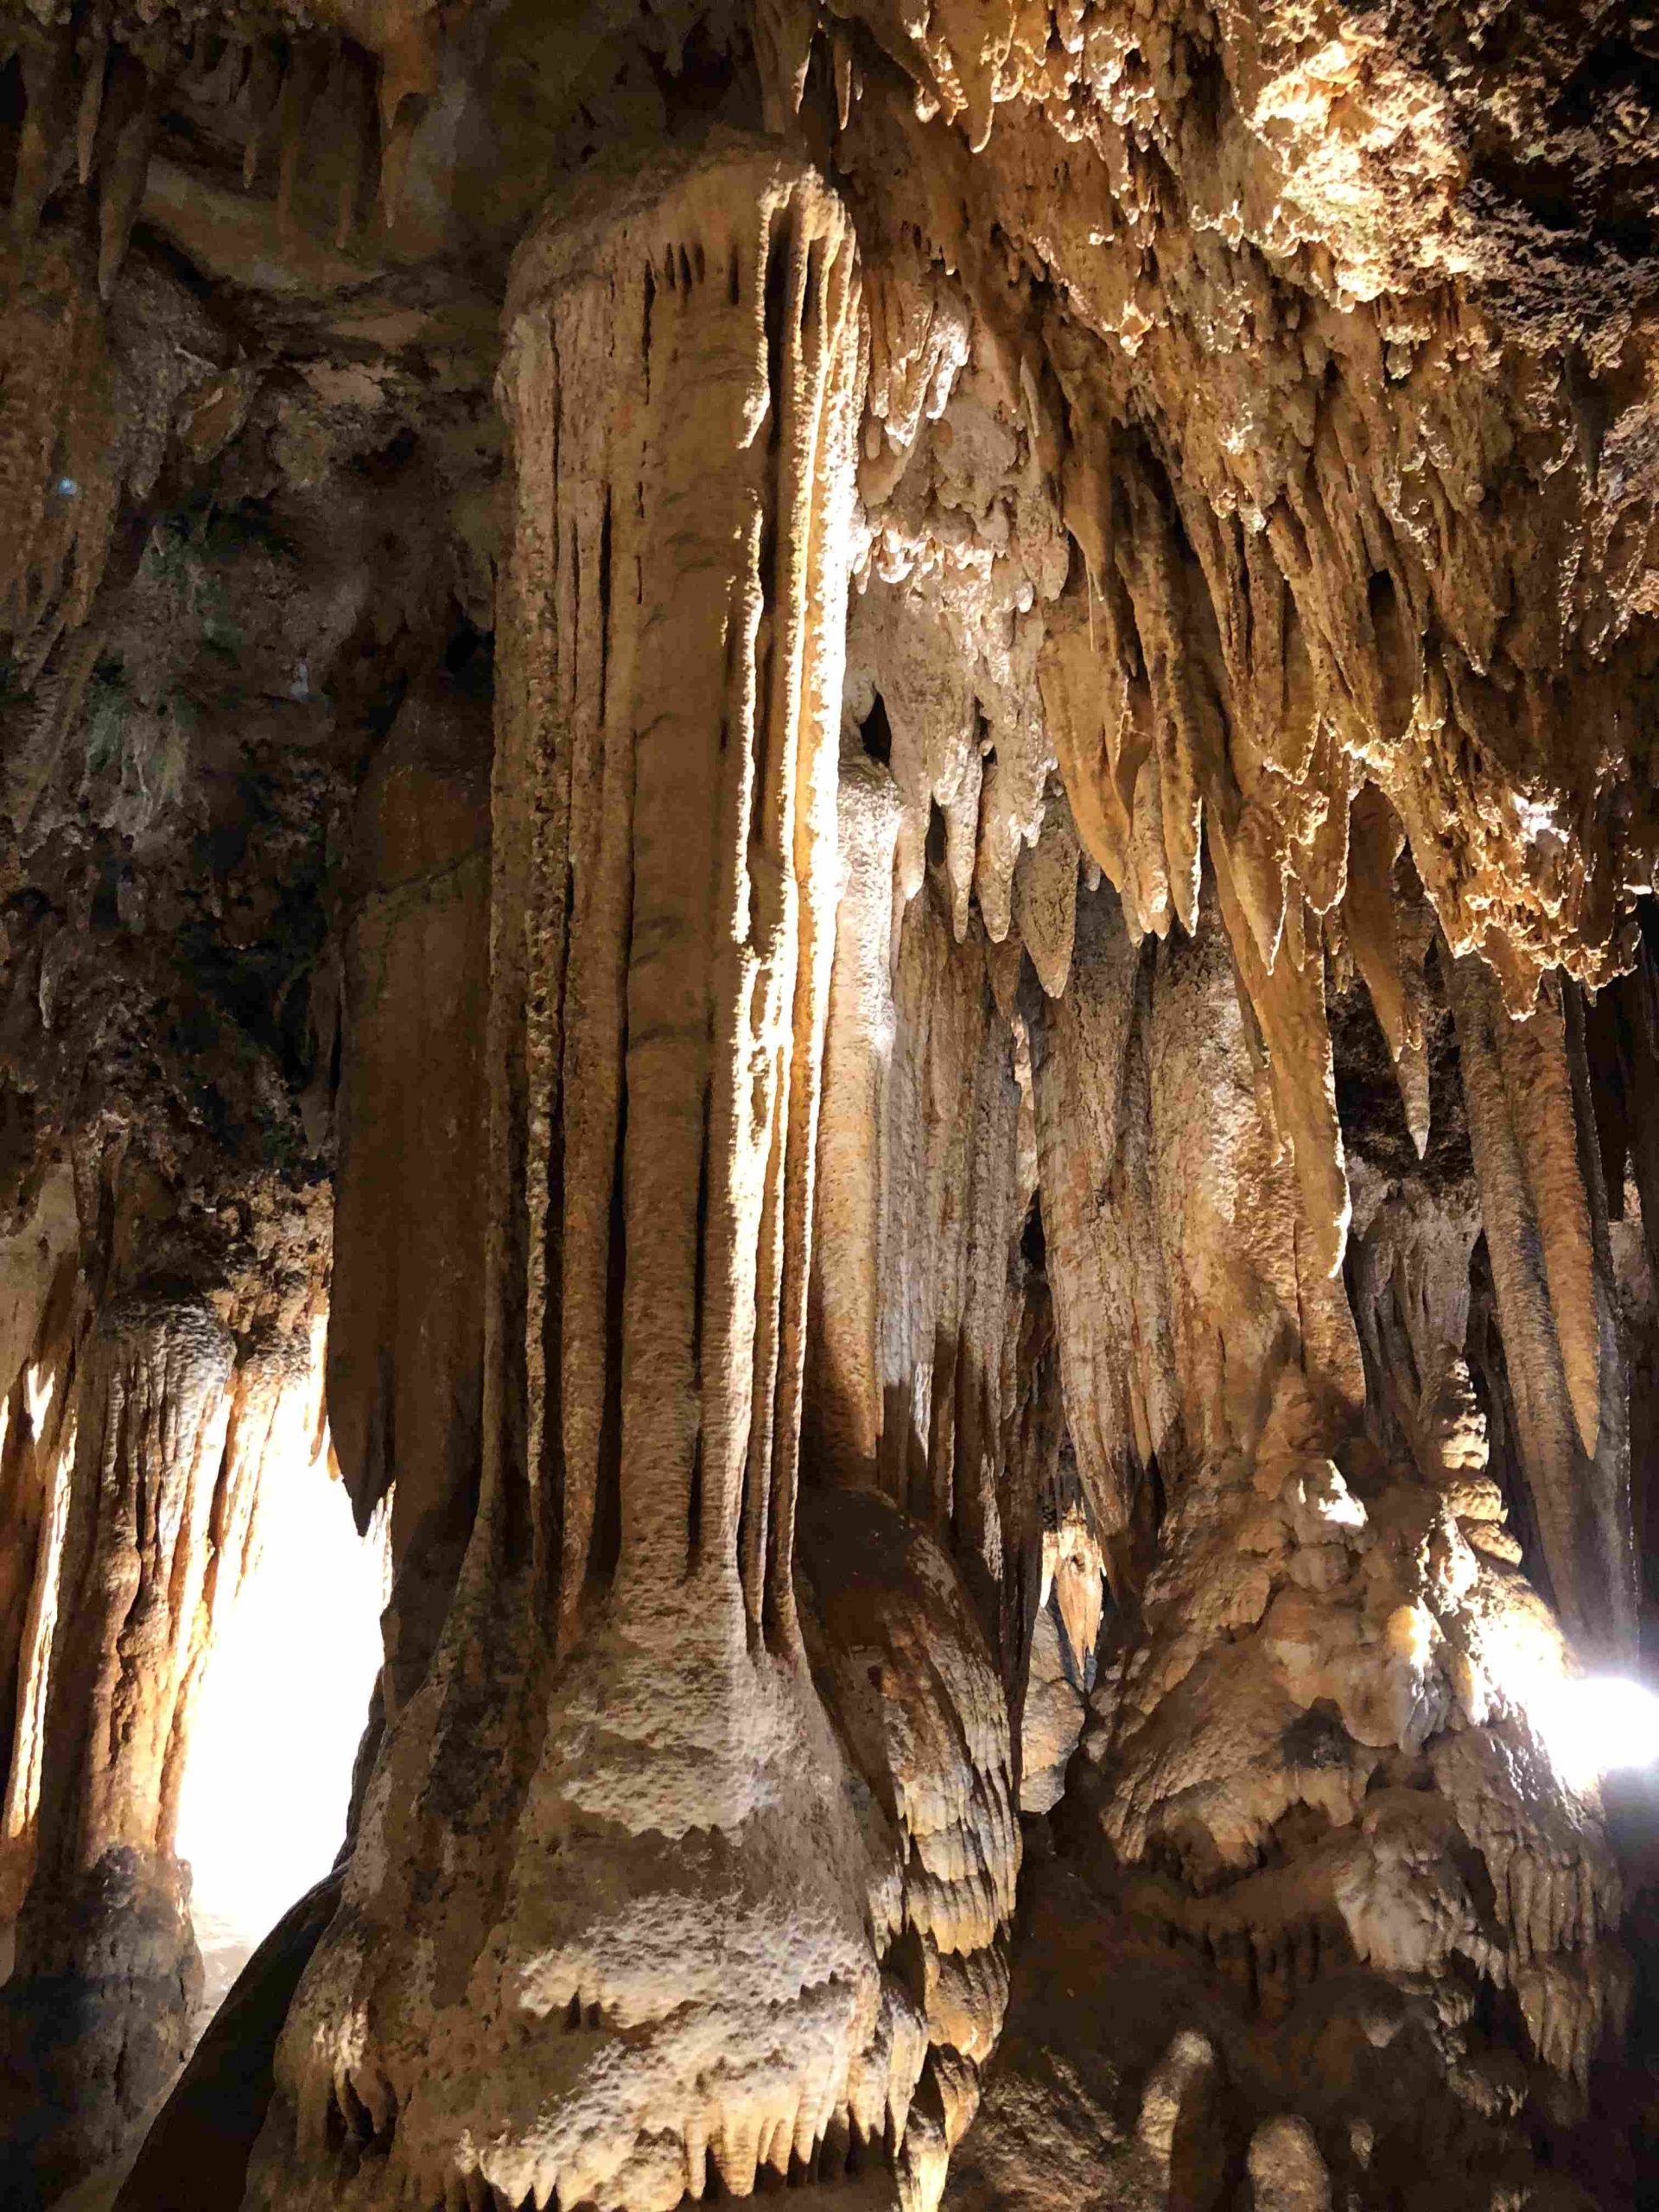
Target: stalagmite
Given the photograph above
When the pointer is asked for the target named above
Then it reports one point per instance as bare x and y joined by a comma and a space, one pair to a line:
1286, 2172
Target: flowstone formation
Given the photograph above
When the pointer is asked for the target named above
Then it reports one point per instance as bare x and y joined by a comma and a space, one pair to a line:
879, 784
655, 1957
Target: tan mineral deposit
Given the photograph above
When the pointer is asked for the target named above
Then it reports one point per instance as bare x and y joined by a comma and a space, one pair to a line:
828, 851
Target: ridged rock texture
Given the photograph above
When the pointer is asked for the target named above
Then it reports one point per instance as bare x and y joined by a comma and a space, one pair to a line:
877, 784
143, 1422
669, 1891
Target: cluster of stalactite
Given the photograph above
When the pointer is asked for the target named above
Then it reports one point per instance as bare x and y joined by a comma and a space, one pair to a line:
303, 117
1063, 1267
337, 86
1320, 1753
1050, 983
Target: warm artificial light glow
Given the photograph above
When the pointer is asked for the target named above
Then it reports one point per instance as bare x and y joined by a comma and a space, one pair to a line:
38, 1385
1589, 1725
282, 1708
1607, 1721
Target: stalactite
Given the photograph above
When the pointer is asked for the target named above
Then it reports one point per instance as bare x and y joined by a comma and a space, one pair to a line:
91, 106
47, 65
405, 1319
55, 457
1575, 1450
1046, 898
134, 102
1373, 924
952, 1203
304, 81
1168, 1350
845, 1406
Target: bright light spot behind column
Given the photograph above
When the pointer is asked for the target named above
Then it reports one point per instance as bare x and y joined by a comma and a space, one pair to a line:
1588, 1725
284, 1702
1603, 1722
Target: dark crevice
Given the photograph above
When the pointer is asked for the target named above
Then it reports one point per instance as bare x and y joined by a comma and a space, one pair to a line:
605, 1547
876, 733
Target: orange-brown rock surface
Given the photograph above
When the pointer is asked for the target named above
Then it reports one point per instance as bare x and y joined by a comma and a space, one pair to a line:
880, 778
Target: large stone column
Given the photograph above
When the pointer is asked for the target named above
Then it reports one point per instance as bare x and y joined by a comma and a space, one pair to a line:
621, 1920
681, 372
42, 1296
146, 1424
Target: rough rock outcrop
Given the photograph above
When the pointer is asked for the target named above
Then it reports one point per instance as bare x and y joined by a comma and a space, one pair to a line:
1355, 1893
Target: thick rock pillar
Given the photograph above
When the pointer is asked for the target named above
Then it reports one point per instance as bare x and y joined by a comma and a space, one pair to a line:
620, 1923
1532, 1130
42, 1296
96, 2016
680, 371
